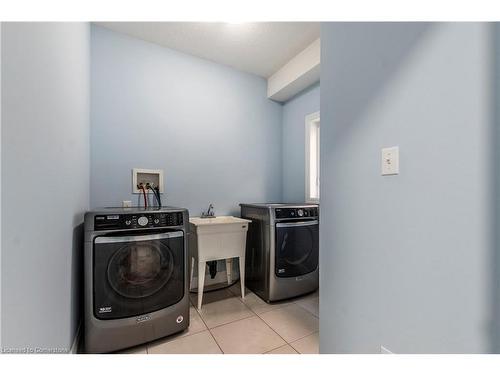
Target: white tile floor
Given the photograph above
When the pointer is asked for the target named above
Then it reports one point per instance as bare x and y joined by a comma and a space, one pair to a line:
229, 324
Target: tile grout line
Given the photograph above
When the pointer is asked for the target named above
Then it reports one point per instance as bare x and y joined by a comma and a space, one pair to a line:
182, 338
248, 317
234, 321
290, 343
238, 296
171, 339
255, 312
203, 321
208, 329
257, 315
219, 325
287, 343
300, 338
306, 310
303, 337
211, 334
306, 298
294, 300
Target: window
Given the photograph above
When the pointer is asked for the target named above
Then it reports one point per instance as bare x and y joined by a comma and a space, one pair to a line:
312, 158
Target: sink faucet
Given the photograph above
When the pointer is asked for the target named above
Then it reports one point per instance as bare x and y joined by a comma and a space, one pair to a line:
209, 212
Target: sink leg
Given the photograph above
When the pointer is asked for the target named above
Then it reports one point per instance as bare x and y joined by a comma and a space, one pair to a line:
192, 272
229, 267
201, 281
242, 276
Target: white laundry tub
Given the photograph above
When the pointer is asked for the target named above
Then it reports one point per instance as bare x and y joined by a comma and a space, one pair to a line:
222, 237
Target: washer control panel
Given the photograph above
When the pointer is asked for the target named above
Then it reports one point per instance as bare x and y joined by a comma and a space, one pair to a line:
296, 213
139, 220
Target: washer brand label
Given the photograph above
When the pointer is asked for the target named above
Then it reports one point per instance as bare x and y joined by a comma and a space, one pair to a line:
281, 270
103, 310
143, 318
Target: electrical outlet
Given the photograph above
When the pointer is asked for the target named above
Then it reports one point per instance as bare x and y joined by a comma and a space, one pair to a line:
126, 204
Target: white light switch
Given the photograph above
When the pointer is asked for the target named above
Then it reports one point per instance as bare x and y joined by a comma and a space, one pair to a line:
390, 160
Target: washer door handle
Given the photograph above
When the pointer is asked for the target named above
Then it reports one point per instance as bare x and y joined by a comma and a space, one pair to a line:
145, 237
297, 224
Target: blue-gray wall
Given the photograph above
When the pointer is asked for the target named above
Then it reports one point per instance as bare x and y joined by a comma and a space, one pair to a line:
209, 127
45, 180
293, 139
0, 185
495, 264
406, 260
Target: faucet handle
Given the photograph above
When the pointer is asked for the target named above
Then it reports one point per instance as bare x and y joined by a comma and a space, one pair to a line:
209, 212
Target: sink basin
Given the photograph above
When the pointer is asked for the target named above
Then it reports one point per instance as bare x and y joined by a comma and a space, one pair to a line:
198, 221
218, 237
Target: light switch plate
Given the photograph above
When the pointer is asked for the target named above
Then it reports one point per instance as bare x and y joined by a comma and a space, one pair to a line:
390, 161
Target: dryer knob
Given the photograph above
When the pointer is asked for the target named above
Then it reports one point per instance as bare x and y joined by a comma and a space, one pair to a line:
142, 221
300, 212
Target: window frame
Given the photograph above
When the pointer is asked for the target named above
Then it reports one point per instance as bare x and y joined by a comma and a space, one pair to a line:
311, 120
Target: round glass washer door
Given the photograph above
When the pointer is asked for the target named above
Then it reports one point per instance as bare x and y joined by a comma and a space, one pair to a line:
140, 269
295, 249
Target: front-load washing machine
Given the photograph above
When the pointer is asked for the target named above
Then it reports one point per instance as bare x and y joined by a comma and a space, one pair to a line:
135, 276
282, 249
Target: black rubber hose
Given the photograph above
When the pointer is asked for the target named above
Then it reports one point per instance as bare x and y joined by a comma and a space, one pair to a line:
154, 193
158, 198
212, 268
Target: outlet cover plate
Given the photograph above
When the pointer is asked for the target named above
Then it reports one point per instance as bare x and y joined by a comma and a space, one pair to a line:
390, 161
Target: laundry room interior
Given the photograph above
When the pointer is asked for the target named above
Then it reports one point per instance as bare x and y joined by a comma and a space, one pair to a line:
249, 188
200, 116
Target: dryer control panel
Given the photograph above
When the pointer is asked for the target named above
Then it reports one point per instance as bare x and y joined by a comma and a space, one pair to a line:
296, 212
139, 220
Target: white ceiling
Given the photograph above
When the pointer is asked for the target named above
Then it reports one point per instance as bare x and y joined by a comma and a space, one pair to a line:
260, 48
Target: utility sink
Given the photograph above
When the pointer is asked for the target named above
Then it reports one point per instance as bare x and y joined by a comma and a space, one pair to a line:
217, 220
216, 238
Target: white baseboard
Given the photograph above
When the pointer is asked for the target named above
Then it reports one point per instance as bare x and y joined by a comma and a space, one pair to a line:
384, 350
76, 340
